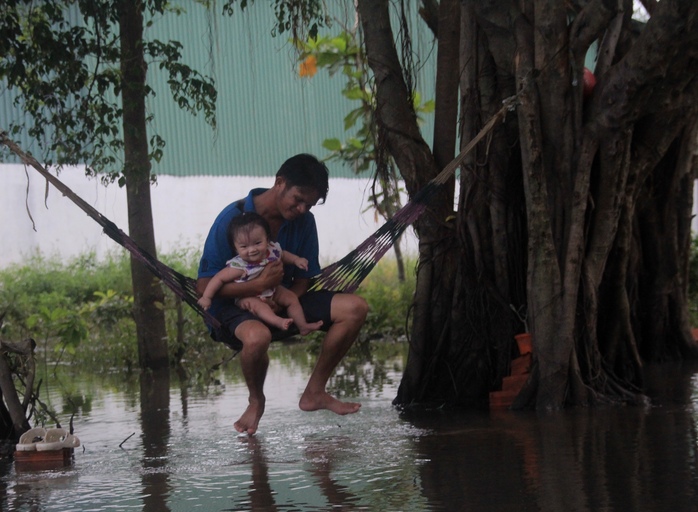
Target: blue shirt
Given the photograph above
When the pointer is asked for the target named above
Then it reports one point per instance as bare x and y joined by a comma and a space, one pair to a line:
298, 236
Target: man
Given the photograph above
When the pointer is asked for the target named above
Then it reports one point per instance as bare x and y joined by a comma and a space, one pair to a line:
300, 183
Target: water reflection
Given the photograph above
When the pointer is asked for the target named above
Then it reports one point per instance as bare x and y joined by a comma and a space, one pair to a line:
260, 493
155, 429
612, 458
189, 457
323, 457
319, 458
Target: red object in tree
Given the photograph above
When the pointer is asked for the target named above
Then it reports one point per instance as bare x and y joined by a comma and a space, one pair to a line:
588, 82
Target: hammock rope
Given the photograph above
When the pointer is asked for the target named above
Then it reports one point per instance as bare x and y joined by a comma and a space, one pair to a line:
344, 275
347, 273
182, 286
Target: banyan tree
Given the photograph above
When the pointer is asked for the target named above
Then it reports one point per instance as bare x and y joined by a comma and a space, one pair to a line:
571, 218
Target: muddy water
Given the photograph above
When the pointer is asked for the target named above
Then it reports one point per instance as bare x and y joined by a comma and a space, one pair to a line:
154, 445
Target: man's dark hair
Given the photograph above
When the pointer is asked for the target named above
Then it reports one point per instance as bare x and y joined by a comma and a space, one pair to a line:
244, 223
306, 171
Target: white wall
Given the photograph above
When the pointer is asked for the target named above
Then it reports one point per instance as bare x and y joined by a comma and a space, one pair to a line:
183, 210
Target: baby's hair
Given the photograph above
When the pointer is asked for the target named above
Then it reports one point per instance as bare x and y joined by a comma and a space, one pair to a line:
244, 223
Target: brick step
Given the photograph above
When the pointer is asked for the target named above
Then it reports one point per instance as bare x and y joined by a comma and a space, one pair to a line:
524, 342
520, 369
514, 383
521, 365
501, 399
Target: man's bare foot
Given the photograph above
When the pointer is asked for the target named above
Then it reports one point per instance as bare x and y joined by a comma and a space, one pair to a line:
309, 327
249, 421
316, 401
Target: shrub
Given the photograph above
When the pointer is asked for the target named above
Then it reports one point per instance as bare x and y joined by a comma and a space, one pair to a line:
388, 298
82, 310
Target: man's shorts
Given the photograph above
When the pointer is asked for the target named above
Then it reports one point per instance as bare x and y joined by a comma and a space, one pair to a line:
316, 306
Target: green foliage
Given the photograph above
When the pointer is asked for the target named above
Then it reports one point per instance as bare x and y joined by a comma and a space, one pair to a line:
389, 300
80, 312
291, 15
363, 149
63, 305
344, 54
109, 308
47, 283
61, 61
66, 325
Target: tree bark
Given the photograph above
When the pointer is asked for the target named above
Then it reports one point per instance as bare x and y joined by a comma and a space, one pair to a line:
148, 295
447, 71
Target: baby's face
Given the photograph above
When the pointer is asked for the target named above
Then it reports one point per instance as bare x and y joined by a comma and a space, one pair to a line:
252, 246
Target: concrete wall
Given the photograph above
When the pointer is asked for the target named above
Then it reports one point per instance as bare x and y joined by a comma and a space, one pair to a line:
183, 210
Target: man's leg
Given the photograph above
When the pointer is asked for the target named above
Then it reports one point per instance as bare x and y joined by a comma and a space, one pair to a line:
348, 316
254, 360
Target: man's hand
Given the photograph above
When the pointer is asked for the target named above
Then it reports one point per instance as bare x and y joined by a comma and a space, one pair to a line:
271, 276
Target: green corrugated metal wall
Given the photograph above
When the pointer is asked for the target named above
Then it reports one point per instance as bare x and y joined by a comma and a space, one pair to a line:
265, 111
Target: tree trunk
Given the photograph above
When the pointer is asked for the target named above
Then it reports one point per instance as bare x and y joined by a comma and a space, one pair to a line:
12, 405
148, 294
575, 212
664, 332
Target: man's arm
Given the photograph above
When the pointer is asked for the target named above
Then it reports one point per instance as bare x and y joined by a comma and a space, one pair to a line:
270, 277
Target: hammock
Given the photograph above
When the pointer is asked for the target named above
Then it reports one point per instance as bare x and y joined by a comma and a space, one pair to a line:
345, 275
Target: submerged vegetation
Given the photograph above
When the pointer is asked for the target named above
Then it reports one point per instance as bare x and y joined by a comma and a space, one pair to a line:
79, 312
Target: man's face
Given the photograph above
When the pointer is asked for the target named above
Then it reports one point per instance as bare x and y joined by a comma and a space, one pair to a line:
295, 201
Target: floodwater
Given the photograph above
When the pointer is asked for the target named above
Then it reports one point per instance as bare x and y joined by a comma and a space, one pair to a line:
154, 445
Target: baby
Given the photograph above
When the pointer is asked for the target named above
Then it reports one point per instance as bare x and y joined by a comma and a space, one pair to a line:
250, 235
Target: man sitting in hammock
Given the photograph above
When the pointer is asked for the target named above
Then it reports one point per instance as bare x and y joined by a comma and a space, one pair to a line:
300, 183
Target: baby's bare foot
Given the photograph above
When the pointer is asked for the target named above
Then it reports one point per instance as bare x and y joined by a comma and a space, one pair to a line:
283, 323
